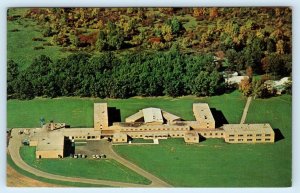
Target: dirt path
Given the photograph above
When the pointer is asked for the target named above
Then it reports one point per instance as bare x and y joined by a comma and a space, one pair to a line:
15, 144
15, 179
246, 110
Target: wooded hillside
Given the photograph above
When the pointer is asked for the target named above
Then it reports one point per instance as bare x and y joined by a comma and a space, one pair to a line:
122, 52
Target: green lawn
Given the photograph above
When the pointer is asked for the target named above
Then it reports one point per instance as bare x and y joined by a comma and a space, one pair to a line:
63, 183
215, 163
20, 46
85, 168
78, 112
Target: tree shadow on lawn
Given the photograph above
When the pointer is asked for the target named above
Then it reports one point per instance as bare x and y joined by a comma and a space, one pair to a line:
278, 135
219, 117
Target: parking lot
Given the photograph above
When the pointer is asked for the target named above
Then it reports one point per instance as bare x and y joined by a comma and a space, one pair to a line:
90, 148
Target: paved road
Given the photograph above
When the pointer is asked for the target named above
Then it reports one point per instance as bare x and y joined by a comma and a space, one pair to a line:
246, 110
15, 144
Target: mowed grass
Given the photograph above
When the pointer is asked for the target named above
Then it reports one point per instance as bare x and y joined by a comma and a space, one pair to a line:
20, 46
214, 163
107, 169
78, 112
58, 182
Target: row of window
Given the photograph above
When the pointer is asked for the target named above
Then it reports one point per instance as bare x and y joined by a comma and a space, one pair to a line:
172, 135
192, 139
250, 135
267, 139
83, 137
150, 129
211, 134
120, 140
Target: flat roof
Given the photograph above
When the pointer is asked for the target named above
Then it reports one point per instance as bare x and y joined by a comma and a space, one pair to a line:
152, 115
202, 112
170, 116
100, 114
248, 128
135, 117
50, 142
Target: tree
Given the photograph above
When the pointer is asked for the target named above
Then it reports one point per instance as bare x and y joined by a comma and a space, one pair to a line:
12, 75
24, 87
257, 89
249, 72
245, 87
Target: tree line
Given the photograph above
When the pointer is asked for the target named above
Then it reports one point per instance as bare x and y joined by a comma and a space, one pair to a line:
117, 76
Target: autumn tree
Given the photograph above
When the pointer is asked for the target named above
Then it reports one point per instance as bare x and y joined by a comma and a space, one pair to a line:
245, 87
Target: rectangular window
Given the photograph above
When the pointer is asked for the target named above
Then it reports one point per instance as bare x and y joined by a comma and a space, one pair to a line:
267, 139
249, 139
221, 133
210, 134
240, 135
231, 139
267, 135
240, 140
204, 133
231, 135
141, 135
249, 135
216, 133
258, 139
258, 135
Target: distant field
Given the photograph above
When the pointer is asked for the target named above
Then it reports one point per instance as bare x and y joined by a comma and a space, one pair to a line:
86, 168
214, 163
20, 46
78, 112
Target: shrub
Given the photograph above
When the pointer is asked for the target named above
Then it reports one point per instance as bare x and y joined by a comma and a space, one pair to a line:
38, 48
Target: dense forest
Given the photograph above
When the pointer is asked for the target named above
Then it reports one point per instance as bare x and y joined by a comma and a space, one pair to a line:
123, 52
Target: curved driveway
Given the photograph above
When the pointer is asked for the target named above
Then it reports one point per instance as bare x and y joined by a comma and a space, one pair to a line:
15, 144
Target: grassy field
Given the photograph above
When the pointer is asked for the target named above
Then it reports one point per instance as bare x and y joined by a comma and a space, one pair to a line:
213, 163
86, 168
63, 183
20, 46
78, 112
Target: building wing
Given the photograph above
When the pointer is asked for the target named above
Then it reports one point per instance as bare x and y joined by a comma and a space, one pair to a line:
152, 115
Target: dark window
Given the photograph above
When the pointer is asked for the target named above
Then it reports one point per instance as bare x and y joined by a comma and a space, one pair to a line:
240, 135
258, 139
240, 139
231, 139
267, 135
258, 135
231, 135
249, 135
249, 139
267, 139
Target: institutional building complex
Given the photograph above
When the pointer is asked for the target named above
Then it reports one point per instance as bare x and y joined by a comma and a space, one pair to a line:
148, 123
